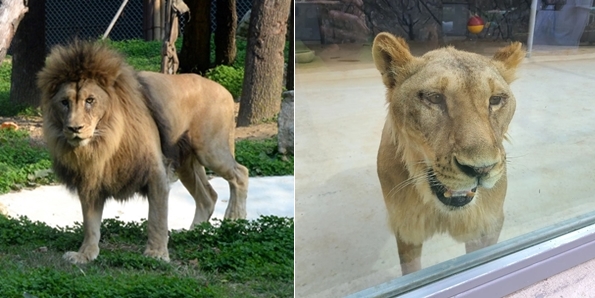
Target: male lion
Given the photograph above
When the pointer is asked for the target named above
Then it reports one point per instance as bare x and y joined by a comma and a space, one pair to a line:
113, 132
441, 162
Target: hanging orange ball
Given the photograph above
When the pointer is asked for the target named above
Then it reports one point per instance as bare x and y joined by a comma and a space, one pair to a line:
475, 24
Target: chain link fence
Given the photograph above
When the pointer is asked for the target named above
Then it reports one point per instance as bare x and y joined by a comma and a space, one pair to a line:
69, 19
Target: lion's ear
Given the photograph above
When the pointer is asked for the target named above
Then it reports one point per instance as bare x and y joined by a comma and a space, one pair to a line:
390, 54
510, 57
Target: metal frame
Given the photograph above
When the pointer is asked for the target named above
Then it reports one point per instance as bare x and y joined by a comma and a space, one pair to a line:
500, 269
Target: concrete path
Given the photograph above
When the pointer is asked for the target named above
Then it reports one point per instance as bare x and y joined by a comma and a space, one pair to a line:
58, 207
343, 244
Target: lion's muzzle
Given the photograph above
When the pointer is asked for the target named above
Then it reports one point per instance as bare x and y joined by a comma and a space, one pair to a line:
474, 171
449, 197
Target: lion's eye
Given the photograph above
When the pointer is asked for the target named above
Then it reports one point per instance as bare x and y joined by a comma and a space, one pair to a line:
495, 100
434, 98
64, 102
90, 100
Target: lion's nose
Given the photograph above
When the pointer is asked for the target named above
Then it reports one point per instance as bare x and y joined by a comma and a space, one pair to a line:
75, 129
474, 171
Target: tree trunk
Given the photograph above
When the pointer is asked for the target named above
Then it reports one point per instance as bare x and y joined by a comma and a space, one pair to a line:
29, 56
291, 60
11, 14
225, 33
195, 55
263, 72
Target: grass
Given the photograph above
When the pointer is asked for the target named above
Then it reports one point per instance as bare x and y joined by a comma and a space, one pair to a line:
224, 259
21, 163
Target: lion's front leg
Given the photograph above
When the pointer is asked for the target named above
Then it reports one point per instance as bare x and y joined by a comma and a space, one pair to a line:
409, 256
486, 240
89, 250
157, 222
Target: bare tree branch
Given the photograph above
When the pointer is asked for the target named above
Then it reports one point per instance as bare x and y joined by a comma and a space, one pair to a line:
11, 14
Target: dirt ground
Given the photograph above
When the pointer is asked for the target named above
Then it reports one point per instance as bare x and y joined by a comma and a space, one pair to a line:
34, 126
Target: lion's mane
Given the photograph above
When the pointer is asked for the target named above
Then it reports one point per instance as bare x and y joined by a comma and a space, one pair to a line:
117, 161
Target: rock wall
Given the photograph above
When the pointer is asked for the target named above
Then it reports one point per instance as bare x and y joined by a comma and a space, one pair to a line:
344, 21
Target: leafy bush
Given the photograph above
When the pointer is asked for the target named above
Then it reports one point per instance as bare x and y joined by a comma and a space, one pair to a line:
7, 108
262, 158
229, 77
140, 54
22, 164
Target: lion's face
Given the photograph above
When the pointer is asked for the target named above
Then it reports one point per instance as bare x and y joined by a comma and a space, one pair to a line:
450, 111
79, 106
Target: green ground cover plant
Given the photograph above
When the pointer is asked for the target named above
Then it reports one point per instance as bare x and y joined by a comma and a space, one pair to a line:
221, 259
22, 164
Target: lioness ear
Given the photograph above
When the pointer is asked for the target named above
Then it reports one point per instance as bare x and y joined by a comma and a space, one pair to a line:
510, 57
390, 55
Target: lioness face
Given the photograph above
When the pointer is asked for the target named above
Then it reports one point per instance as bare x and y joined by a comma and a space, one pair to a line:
450, 111
80, 106
459, 109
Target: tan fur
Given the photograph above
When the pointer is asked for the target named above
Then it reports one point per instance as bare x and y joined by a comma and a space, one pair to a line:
113, 132
442, 126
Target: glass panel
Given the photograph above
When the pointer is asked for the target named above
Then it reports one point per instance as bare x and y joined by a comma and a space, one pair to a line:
344, 243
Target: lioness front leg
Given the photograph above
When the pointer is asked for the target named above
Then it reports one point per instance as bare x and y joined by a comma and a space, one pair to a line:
157, 223
89, 250
409, 256
486, 240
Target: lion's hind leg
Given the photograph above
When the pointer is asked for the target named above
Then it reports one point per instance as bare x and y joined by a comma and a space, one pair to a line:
192, 174
221, 160
89, 250
236, 175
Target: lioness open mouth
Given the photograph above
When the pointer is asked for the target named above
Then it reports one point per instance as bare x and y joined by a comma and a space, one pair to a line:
447, 196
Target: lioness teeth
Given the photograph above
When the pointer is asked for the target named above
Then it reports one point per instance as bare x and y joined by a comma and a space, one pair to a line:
458, 193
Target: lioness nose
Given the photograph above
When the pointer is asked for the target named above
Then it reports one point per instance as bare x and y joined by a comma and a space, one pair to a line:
75, 129
474, 171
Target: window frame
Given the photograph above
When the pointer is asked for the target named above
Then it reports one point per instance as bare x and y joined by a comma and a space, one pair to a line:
500, 269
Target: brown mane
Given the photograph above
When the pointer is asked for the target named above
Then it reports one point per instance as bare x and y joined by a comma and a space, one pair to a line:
123, 128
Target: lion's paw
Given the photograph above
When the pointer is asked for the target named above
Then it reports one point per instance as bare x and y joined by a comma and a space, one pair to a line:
157, 254
78, 258
235, 214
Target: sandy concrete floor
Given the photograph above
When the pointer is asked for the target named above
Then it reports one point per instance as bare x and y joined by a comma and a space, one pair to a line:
343, 244
56, 206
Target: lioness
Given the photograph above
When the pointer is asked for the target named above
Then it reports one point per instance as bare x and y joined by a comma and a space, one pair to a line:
113, 132
441, 162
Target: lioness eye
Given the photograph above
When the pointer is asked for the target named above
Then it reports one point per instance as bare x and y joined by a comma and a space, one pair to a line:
495, 100
64, 102
90, 100
435, 98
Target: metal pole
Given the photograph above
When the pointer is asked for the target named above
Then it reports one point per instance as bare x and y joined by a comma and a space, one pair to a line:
531, 28
111, 25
